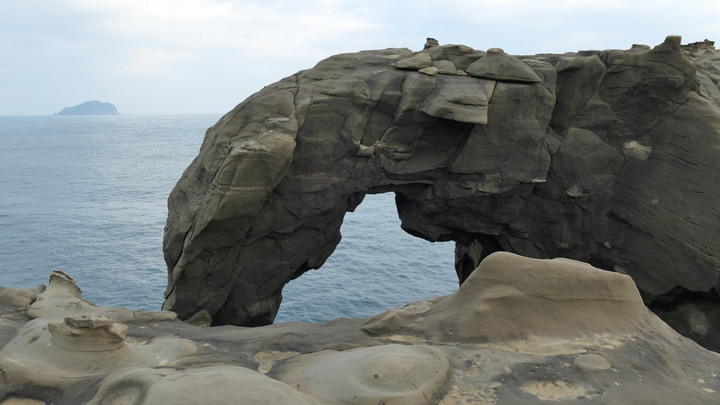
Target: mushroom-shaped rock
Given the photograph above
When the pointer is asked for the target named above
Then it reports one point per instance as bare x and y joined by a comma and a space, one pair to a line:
497, 65
20, 297
580, 156
58, 354
445, 67
88, 333
265, 201
61, 282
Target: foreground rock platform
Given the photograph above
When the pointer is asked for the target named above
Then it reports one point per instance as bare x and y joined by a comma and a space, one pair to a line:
608, 157
518, 331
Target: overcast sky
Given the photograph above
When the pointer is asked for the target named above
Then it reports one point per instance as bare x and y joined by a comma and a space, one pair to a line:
206, 56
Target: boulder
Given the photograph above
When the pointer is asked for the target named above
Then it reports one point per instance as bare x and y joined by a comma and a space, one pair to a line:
511, 297
497, 65
420, 60
445, 67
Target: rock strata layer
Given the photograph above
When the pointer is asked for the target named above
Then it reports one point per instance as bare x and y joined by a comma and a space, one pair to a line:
608, 157
518, 331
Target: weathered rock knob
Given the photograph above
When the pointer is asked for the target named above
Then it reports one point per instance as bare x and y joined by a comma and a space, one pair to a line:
88, 333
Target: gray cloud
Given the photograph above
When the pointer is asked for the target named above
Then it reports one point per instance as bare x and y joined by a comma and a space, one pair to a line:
185, 56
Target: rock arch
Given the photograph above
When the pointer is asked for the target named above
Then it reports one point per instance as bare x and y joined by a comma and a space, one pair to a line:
376, 266
576, 155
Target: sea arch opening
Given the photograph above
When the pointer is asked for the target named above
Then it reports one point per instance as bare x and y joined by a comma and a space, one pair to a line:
377, 266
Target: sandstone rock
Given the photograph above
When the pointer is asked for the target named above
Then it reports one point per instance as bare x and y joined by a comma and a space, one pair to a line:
598, 156
461, 56
431, 43
592, 362
61, 288
49, 353
497, 65
459, 100
510, 297
87, 333
420, 60
445, 67
63, 296
390, 373
20, 297
207, 385
519, 330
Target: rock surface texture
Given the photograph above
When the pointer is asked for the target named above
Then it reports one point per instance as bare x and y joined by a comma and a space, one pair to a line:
518, 331
609, 157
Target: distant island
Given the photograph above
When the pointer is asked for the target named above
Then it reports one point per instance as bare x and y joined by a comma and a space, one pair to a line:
90, 108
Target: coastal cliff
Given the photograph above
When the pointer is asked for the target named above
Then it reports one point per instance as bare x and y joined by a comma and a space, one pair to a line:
608, 157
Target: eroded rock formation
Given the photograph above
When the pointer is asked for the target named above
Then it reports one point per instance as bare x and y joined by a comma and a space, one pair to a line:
609, 157
518, 331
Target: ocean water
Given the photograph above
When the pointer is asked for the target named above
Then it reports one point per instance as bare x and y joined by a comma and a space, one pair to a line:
87, 195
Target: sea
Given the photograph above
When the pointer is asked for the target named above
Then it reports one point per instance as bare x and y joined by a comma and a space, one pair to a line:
87, 195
